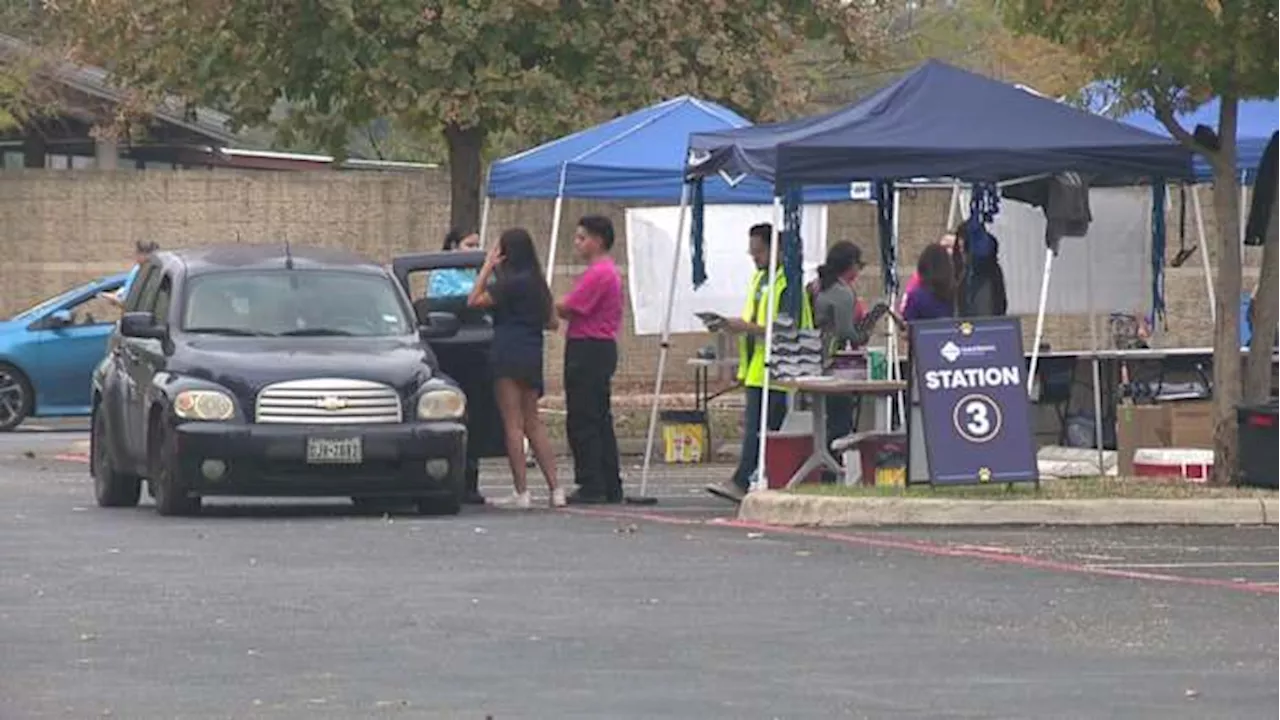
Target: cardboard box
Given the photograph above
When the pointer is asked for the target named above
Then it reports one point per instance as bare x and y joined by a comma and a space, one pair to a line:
1190, 423
1139, 426
1177, 424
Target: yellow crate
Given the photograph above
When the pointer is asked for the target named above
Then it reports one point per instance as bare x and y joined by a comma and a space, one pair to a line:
684, 442
891, 477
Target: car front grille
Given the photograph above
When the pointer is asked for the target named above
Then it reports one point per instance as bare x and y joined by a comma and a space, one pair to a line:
328, 401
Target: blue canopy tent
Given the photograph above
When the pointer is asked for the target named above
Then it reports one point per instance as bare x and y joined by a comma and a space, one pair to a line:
1256, 121
640, 156
941, 121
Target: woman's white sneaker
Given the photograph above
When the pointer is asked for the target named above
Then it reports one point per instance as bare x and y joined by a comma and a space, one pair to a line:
516, 501
558, 499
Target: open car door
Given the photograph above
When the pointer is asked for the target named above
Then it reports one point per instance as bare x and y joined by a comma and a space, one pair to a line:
463, 356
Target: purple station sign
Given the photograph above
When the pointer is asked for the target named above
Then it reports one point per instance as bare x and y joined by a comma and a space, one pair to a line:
971, 380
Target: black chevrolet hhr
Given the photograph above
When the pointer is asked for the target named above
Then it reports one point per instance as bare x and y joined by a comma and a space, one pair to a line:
276, 371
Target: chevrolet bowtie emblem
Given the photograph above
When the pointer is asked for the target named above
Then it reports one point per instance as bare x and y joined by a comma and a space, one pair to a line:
332, 403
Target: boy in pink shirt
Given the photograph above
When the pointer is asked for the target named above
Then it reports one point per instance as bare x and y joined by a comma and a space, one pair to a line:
593, 314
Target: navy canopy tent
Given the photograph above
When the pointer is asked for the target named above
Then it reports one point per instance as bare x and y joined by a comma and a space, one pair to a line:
941, 121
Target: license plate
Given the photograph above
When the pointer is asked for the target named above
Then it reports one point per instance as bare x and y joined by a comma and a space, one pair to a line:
329, 451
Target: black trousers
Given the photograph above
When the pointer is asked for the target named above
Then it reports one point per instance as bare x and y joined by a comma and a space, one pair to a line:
588, 378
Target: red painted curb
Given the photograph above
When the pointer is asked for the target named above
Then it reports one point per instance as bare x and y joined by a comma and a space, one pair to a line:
73, 457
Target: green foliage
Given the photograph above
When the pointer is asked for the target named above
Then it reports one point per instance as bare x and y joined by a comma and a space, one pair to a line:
534, 67
1165, 54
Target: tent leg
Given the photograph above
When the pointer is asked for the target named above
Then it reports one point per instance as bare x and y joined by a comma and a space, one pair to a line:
953, 207
1204, 253
1044, 301
761, 482
1096, 363
663, 348
894, 369
555, 238
1244, 207
484, 220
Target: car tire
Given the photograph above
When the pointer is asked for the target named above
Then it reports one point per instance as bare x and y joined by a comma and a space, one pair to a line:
439, 505
14, 410
171, 497
111, 488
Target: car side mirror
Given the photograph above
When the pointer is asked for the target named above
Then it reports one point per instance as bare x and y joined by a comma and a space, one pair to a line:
142, 325
60, 318
440, 325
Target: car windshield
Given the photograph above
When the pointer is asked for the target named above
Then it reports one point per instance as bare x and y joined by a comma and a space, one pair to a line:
301, 303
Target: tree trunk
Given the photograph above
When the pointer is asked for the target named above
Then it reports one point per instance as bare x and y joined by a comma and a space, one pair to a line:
465, 175
1257, 373
1226, 333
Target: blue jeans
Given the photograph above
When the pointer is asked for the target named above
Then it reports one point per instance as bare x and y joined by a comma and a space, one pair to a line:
751, 431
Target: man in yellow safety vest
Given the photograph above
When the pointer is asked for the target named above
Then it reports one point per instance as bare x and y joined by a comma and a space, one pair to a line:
751, 359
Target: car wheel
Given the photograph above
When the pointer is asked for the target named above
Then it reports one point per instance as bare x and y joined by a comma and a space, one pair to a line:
450, 504
16, 397
111, 487
171, 498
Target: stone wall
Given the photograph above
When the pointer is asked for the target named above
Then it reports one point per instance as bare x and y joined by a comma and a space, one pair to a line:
59, 228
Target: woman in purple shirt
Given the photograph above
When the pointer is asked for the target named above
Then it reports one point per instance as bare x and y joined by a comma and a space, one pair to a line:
935, 295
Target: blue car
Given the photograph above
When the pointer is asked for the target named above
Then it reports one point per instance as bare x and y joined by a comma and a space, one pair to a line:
48, 353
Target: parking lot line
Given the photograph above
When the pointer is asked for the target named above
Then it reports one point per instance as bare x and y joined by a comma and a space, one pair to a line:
937, 550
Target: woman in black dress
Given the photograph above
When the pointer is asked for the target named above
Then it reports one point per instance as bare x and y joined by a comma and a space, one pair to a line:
522, 310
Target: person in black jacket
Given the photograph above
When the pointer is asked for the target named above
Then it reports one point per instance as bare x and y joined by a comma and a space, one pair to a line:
980, 277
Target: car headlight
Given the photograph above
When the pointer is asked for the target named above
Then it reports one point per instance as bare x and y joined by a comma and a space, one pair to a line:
442, 404
204, 405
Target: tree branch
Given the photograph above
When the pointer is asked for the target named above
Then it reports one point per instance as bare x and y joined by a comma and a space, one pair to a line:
1164, 113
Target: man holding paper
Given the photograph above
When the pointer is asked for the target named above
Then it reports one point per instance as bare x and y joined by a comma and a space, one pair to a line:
751, 351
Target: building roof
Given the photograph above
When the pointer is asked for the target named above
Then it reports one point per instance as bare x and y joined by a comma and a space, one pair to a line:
95, 82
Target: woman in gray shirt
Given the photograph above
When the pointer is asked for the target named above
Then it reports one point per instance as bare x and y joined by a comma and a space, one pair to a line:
835, 315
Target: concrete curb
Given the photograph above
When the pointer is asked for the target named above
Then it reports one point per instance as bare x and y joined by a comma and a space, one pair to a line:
788, 509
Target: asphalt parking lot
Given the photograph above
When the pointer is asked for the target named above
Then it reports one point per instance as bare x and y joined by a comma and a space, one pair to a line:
288, 610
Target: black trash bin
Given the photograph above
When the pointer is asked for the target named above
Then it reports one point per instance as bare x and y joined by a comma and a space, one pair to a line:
1257, 427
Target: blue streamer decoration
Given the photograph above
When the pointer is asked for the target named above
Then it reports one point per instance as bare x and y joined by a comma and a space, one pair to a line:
792, 252
1157, 254
697, 224
883, 194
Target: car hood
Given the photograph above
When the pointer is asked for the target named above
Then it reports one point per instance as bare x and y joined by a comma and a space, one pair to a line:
246, 365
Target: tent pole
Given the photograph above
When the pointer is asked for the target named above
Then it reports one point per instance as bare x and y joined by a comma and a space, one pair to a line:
484, 220
761, 482
953, 207
665, 345
1204, 253
556, 212
1040, 308
891, 352
1095, 362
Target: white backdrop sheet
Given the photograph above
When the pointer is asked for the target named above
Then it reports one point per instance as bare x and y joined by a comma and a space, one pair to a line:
651, 239
1111, 265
